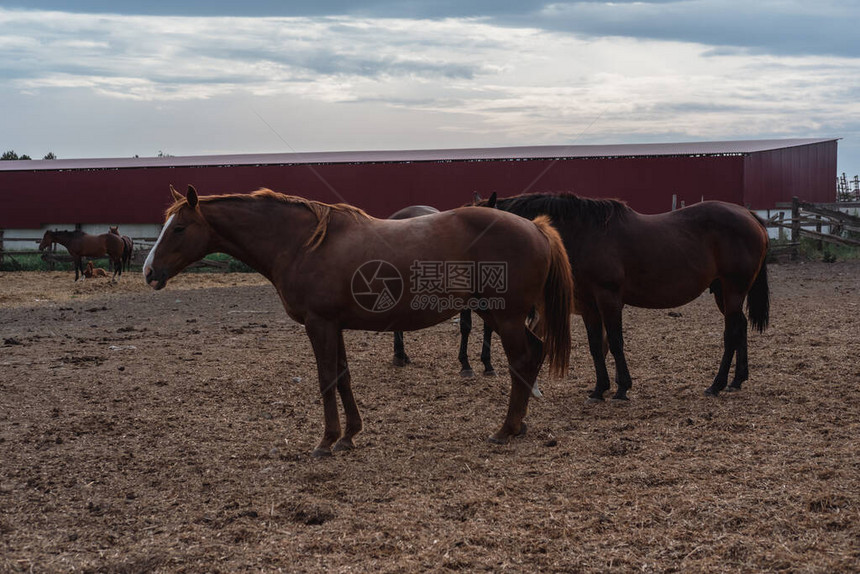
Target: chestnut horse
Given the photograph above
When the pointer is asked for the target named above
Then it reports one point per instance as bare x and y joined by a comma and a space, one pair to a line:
80, 245
90, 271
128, 246
401, 359
336, 268
621, 257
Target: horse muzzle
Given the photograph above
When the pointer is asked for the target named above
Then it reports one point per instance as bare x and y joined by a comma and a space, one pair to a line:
155, 280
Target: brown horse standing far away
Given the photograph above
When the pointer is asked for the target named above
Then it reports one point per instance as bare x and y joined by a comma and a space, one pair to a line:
337, 268
80, 245
128, 246
621, 257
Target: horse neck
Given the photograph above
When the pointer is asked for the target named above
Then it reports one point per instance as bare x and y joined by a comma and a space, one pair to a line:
64, 238
258, 232
572, 224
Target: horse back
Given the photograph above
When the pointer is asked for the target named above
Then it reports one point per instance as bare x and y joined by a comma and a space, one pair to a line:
666, 260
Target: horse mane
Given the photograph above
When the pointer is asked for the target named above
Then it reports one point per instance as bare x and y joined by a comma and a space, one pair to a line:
68, 234
563, 206
322, 211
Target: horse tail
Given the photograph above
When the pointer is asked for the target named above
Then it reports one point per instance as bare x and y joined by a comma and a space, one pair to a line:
758, 298
128, 248
557, 301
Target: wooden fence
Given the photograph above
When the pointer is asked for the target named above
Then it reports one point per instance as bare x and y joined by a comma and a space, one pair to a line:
804, 216
821, 216
142, 245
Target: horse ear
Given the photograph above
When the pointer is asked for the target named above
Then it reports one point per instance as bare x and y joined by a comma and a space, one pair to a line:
191, 196
492, 201
476, 197
176, 195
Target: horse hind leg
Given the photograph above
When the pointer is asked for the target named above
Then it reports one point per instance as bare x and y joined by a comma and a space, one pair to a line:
525, 356
742, 370
734, 338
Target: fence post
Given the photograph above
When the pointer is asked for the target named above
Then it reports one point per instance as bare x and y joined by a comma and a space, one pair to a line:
795, 226
1, 247
819, 244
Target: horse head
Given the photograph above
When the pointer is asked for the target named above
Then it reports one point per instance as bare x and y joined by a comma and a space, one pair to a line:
478, 200
47, 240
183, 240
114, 229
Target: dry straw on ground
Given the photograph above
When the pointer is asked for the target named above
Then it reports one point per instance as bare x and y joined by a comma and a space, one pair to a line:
171, 432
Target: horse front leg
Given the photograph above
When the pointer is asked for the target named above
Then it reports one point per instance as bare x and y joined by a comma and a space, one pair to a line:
324, 336
344, 388
463, 356
610, 305
597, 346
525, 355
78, 263
401, 359
486, 346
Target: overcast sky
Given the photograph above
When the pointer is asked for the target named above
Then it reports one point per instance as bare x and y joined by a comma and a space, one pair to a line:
117, 78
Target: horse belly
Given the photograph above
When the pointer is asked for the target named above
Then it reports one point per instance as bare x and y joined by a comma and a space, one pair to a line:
665, 293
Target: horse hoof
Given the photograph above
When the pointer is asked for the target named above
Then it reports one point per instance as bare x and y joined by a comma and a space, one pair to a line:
523, 428
593, 400
400, 362
499, 438
490, 373
343, 445
620, 399
321, 452
709, 392
467, 373
733, 388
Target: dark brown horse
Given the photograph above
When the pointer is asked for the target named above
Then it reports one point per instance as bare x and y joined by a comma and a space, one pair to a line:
80, 245
401, 359
621, 257
128, 246
337, 268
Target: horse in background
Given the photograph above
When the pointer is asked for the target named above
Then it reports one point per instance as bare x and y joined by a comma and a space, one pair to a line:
90, 271
128, 246
401, 359
620, 257
80, 245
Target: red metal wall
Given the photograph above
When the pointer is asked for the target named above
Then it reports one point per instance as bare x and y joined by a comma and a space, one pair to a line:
809, 172
29, 199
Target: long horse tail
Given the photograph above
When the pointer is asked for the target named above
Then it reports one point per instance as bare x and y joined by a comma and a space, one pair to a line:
758, 298
557, 301
128, 250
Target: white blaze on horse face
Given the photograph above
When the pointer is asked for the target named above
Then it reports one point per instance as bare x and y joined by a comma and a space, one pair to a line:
147, 265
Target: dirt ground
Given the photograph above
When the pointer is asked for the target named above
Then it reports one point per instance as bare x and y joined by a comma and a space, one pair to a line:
172, 431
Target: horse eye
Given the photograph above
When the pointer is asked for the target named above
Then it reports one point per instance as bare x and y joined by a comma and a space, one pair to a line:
179, 229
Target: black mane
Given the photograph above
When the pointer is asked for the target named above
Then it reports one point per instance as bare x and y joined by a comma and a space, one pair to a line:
70, 234
563, 206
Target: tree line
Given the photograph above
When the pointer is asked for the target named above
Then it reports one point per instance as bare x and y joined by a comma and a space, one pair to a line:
11, 155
